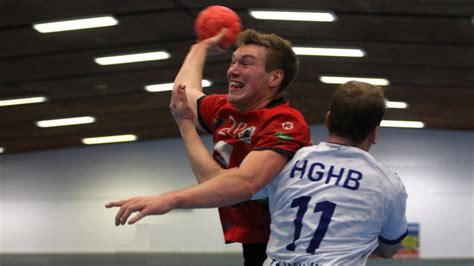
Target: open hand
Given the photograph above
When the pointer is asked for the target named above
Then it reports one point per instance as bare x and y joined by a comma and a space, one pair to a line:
143, 205
179, 105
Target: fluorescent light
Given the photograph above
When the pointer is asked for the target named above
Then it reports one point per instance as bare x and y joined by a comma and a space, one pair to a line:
396, 105
206, 83
132, 58
399, 123
66, 121
76, 24
342, 80
293, 16
2, 150
19, 101
169, 86
322, 51
109, 139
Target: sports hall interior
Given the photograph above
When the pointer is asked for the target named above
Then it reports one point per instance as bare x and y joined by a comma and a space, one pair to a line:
53, 186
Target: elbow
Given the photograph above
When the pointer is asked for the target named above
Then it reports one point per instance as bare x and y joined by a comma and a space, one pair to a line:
249, 192
387, 251
387, 255
249, 189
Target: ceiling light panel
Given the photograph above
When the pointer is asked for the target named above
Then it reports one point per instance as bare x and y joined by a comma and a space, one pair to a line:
169, 86
327, 51
66, 121
76, 24
342, 80
132, 58
396, 105
293, 15
19, 101
109, 139
401, 123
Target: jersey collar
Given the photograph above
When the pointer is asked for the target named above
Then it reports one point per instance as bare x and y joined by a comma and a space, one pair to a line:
275, 102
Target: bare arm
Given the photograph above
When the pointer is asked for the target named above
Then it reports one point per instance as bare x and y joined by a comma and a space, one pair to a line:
386, 251
203, 165
258, 169
190, 74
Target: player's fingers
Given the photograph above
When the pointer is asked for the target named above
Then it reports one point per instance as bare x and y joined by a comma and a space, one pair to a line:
174, 96
137, 217
120, 214
117, 203
182, 94
174, 92
177, 97
125, 215
217, 49
221, 34
179, 89
113, 204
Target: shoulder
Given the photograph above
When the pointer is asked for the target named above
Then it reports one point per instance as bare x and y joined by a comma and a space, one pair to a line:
213, 99
284, 113
304, 153
280, 105
391, 180
212, 104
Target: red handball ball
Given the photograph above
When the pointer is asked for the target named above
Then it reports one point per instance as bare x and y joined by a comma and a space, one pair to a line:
212, 19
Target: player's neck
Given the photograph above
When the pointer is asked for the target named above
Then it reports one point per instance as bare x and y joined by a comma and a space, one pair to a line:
260, 103
332, 138
339, 140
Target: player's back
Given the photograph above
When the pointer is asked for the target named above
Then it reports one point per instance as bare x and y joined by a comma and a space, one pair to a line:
329, 205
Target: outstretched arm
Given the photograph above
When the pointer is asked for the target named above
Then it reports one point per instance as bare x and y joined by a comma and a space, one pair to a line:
202, 163
258, 169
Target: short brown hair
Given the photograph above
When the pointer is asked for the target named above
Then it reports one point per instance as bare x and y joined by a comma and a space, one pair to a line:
356, 109
280, 53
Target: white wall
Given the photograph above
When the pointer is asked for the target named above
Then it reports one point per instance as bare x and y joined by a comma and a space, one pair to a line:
53, 201
438, 172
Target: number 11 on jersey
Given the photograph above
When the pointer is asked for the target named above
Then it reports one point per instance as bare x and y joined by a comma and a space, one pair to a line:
327, 210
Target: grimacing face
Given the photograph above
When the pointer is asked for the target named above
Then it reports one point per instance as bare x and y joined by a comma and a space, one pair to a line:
248, 79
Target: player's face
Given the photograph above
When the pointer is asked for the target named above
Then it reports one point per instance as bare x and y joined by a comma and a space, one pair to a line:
248, 79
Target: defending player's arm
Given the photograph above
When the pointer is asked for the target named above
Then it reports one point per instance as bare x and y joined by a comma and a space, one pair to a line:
257, 169
203, 165
190, 74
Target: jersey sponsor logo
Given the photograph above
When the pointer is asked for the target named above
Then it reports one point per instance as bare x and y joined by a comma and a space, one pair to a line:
287, 125
246, 134
329, 174
240, 130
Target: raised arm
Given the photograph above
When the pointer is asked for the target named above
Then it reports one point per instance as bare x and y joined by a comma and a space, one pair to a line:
203, 165
190, 74
258, 169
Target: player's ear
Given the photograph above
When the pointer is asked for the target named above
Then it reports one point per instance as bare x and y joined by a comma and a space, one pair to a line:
373, 135
276, 77
326, 120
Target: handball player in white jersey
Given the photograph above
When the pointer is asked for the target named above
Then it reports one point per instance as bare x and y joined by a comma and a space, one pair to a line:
333, 203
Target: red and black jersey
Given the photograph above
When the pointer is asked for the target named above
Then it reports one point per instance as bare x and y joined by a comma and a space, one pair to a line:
277, 127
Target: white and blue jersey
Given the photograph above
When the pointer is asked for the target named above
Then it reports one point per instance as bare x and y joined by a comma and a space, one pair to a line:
330, 205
